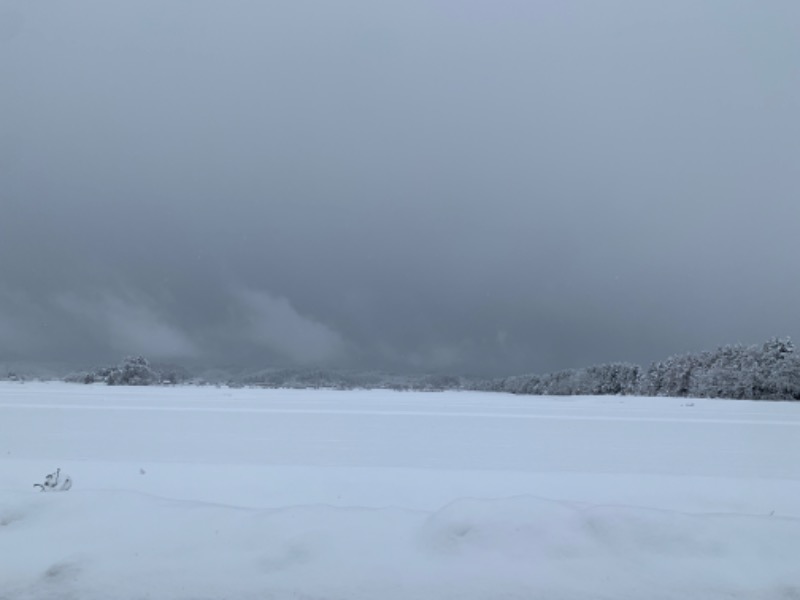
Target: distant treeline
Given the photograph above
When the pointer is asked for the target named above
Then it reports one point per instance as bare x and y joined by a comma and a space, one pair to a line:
769, 371
137, 370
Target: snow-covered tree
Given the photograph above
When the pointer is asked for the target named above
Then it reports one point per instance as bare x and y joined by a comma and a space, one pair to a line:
134, 370
778, 371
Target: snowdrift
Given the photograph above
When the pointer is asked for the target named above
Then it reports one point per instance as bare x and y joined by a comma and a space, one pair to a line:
128, 545
187, 493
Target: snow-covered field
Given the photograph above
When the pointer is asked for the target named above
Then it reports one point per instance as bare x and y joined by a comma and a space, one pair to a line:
209, 493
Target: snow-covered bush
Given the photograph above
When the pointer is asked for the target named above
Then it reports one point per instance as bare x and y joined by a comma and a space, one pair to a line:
54, 482
134, 370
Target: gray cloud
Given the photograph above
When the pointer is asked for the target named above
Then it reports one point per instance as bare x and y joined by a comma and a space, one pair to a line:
127, 325
274, 323
597, 181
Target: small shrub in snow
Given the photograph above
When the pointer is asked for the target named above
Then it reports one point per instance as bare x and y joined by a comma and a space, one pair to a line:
55, 483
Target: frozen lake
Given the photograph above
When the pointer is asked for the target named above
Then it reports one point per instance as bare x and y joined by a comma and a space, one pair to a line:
340, 456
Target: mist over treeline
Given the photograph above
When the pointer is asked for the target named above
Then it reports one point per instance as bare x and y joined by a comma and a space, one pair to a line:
768, 371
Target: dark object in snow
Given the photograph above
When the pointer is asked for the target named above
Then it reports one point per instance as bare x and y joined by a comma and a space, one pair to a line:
54, 483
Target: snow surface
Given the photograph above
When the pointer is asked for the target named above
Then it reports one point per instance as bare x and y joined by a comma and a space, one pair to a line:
209, 493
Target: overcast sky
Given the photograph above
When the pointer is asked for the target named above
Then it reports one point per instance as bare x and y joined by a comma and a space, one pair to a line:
491, 187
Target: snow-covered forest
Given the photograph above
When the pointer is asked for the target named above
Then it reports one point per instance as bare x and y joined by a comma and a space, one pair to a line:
768, 371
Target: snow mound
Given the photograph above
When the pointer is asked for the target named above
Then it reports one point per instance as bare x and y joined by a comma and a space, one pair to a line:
95, 544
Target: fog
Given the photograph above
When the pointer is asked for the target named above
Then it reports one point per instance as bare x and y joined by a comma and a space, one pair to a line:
474, 187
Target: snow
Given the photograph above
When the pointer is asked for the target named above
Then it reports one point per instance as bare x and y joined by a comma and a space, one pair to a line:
191, 492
